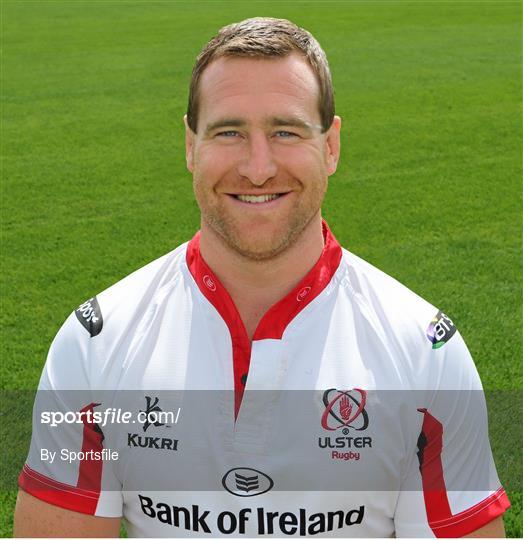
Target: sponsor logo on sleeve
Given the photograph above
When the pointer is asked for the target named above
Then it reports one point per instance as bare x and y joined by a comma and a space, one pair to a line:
90, 316
440, 330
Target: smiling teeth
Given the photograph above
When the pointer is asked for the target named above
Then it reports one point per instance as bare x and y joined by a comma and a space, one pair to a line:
257, 198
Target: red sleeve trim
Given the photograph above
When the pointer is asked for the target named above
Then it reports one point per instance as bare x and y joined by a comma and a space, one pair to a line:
90, 470
443, 523
472, 519
58, 493
430, 447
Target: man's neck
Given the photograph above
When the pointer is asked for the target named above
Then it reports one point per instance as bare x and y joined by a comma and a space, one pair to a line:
255, 286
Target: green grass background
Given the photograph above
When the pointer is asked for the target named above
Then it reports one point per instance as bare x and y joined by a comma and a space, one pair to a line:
93, 181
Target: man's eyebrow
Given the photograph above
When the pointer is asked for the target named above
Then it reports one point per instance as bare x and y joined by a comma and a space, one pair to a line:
224, 122
291, 122
277, 121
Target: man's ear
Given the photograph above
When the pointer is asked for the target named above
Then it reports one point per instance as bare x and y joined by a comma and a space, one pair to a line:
189, 144
332, 145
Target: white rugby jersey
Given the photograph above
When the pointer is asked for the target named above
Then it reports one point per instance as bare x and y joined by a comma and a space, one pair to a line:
355, 411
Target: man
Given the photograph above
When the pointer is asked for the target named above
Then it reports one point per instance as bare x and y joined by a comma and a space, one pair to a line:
263, 303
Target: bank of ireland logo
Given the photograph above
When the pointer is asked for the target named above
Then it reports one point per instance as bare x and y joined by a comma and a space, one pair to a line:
345, 410
440, 330
246, 482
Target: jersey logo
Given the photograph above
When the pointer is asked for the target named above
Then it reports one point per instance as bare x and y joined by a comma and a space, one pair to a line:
261, 521
344, 409
150, 413
90, 315
209, 283
245, 482
155, 416
440, 330
303, 293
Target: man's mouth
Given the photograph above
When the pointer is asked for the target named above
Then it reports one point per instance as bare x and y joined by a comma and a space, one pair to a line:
258, 199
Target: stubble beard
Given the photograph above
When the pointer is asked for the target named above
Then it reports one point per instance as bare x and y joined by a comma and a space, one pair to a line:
261, 248
258, 250
249, 245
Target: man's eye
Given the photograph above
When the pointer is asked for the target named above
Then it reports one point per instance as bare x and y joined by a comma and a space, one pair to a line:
228, 133
286, 134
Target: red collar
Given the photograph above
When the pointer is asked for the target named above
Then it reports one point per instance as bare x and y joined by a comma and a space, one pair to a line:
278, 317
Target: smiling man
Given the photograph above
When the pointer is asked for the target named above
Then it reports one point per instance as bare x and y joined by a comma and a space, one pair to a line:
356, 409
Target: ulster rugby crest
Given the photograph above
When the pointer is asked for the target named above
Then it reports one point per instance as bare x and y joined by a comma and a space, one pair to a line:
345, 409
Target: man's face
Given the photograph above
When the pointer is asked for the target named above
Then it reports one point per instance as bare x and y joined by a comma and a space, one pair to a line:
260, 163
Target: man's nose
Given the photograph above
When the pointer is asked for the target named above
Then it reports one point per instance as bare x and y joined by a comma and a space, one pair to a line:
258, 165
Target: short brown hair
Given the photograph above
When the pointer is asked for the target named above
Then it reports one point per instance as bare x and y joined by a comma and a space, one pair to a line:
264, 37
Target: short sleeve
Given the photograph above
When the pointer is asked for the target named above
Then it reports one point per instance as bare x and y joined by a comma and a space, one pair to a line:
67, 465
451, 487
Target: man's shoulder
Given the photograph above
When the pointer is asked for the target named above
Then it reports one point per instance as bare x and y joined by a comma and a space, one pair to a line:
155, 275
397, 313
132, 295
382, 290
85, 351
421, 342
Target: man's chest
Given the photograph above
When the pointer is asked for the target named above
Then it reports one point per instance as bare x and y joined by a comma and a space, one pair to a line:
316, 400
311, 426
